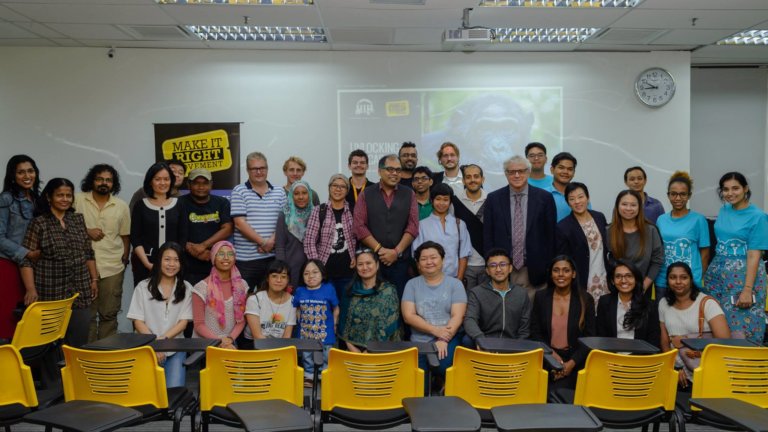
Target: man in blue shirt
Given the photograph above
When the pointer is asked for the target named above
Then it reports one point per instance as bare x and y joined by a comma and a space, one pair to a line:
536, 154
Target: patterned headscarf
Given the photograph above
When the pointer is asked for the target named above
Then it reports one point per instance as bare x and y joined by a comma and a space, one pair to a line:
215, 295
296, 218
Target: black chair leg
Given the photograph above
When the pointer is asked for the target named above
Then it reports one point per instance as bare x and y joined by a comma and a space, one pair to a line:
644, 428
657, 425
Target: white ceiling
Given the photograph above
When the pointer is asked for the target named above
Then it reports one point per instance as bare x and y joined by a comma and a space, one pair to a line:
369, 25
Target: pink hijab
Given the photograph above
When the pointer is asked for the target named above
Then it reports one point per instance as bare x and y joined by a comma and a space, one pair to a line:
215, 294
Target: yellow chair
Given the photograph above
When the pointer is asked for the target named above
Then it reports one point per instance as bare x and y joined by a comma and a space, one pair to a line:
37, 334
729, 372
129, 378
626, 391
17, 388
365, 391
487, 380
253, 376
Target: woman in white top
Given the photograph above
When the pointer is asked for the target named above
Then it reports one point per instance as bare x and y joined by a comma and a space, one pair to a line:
270, 313
679, 313
162, 305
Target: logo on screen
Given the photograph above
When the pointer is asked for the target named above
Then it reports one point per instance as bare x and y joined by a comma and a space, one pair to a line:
364, 107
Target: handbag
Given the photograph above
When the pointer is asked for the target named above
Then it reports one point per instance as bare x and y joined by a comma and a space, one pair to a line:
689, 357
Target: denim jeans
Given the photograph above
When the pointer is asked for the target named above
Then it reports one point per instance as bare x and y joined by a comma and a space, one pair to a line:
309, 364
175, 372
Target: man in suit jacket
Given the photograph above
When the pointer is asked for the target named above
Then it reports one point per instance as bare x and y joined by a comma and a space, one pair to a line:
537, 209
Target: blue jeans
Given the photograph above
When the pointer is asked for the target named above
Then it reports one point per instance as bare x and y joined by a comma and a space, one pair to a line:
341, 285
445, 363
309, 364
175, 372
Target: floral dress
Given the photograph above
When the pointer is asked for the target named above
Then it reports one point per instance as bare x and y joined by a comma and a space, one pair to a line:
737, 232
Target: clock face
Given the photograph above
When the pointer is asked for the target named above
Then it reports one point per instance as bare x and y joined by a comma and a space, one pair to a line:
655, 87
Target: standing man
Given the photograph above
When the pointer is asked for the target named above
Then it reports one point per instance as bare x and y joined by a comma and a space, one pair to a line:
108, 222
255, 207
468, 206
522, 220
536, 154
357, 162
563, 170
422, 184
448, 157
386, 220
498, 308
208, 222
409, 159
294, 168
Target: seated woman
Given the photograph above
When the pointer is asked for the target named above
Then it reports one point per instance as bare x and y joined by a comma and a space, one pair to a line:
626, 312
434, 304
218, 306
374, 310
162, 305
680, 314
561, 314
269, 312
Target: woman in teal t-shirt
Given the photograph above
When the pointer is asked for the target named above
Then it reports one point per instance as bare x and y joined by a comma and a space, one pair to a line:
684, 232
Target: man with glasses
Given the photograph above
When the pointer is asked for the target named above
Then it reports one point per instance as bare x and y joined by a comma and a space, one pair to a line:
409, 158
386, 220
521, 220
536, 154
256, 205
422, 183
497, 308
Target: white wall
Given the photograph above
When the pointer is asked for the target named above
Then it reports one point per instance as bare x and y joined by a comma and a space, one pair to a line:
72, 107
728, 132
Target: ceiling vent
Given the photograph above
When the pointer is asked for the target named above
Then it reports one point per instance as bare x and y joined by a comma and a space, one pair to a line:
465, 35
627, 36
156, 33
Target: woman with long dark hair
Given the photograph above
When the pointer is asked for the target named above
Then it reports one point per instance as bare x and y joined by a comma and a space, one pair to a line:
737, 278
156, 219
632, 238
685, 312
626, 312
561, 314
21, 188
67, 263
162, 305
374, 309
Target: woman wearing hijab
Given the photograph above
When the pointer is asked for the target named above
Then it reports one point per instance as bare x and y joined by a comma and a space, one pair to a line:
291, 227
218, 306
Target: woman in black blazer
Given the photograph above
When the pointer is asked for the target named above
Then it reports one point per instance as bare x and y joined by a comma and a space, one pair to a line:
639, 318
581, 235
561, 314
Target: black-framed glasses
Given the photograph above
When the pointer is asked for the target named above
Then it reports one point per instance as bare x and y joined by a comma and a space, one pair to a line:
678, 194
501, 265
393, 170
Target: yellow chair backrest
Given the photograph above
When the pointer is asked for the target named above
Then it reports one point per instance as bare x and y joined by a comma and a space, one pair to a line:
43, 322
128, 377
370, 381
732, 372
252, 375
16, 383
627, 382
488, 380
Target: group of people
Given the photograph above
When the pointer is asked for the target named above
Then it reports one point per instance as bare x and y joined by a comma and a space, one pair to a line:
420, 255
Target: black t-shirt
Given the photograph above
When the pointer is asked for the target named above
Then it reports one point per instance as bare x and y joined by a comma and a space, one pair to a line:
339, 260
203, 220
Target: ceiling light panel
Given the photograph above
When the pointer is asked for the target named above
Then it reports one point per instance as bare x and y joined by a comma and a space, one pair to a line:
238, 2
245, 33
749, 37
543, 35
562, 3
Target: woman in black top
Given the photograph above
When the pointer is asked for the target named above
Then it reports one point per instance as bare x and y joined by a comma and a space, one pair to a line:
626, 312
156, 219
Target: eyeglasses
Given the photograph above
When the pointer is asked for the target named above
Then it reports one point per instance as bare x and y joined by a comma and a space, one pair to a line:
516, 172
225, 254
536, 155
628, 276
501, 265
257, 169
392, 170
339, 186
417, 179
677, 194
